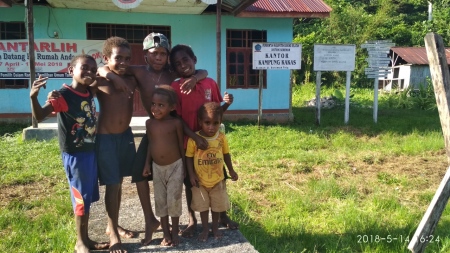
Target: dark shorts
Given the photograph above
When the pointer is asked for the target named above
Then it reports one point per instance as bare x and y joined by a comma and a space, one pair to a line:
81, 173
139, 162
115, 155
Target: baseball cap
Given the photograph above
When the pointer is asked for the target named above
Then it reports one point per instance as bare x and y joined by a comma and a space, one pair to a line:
156, 40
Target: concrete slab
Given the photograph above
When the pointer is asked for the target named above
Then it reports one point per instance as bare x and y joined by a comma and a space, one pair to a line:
48, 129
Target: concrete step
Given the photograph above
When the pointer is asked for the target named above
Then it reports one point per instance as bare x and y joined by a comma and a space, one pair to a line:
48, 129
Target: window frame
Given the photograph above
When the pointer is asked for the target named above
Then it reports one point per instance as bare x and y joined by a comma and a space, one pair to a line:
134, 34
15, 30
239, 58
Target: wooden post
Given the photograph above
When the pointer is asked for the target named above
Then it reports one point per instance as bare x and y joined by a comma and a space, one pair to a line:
375, 100
218, 42
318, 104
260, 97
347, 98
30, 31
441, 83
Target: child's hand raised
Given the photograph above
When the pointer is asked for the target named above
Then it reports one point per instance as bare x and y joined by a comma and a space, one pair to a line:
228, 98
37, 84
54, 94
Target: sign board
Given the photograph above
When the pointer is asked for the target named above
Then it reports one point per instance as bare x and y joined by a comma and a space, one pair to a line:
274, 55
52, 56
380, 69
334, 57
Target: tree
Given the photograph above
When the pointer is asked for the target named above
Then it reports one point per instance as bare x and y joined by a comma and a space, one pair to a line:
355, 22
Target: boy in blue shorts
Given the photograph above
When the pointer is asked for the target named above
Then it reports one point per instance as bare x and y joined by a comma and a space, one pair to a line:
115, 141
75, 107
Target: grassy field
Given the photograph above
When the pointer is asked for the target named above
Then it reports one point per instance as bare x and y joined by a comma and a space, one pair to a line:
360, 187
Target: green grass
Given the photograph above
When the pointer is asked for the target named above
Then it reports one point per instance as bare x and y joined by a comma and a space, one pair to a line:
302, 187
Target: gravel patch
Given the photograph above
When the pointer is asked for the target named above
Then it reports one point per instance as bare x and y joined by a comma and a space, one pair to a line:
131, 217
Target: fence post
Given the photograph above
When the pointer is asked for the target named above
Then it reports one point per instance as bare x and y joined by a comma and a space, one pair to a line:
441, 83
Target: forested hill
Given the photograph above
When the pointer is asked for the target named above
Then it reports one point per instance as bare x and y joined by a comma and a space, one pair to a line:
405, 22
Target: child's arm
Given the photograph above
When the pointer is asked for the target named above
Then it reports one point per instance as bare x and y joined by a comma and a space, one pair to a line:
39, 112
181, 144
117, 81
227, 160
147, 170
228, 99
201, 142
189, 82
190, 150
192, 175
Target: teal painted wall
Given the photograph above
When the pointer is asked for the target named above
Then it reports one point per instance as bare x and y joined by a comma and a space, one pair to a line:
198, 31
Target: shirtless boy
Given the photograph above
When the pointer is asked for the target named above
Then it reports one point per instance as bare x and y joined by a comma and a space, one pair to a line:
115, 141
166, 157
156, 53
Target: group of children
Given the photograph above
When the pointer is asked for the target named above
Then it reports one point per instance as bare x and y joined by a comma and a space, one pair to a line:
182, 142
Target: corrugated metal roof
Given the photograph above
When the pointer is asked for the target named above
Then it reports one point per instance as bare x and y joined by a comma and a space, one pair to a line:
289, 6
416, 55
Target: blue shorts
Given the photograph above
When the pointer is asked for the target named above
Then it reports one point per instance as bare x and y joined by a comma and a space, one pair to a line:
81, 173
115, 154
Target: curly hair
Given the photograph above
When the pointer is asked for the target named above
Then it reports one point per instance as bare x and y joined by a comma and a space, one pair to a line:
113, 42
168, 91
210, 107
76, 58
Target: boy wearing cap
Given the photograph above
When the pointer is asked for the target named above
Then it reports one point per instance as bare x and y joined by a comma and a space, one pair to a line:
156, 53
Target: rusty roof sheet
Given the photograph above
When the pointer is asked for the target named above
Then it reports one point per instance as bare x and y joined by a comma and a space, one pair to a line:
416, 55
302, 6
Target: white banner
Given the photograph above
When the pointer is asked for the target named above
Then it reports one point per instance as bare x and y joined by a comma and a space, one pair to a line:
334, 57
272, 55
52, 57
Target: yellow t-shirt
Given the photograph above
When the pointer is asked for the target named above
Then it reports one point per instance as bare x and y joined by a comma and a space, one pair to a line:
208, 164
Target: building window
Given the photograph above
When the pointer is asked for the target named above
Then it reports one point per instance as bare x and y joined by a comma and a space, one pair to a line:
132, 33
239, 59
13, 31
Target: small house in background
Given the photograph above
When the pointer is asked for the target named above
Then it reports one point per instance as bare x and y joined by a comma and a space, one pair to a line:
410, 68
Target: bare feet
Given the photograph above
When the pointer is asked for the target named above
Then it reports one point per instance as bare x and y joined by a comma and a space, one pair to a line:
228, 223
149, 230
93, 245
188, 232
203, 237
124, 233
117, 248
166, 242
81, 248
217, 234
175, 238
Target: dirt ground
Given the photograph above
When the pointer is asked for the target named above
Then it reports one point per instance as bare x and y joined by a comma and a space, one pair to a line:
131, 217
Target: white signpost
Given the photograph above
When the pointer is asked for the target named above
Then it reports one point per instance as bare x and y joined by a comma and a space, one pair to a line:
274, 55
333, 58
378, 66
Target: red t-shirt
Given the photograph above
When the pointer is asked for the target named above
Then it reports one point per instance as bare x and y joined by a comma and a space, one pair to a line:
205, 90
